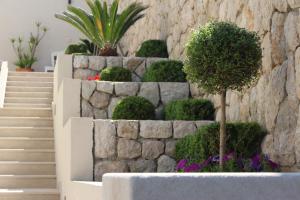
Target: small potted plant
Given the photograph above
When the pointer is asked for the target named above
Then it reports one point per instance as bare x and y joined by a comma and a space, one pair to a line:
26, 55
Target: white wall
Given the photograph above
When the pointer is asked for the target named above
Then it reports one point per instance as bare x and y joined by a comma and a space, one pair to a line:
17, 17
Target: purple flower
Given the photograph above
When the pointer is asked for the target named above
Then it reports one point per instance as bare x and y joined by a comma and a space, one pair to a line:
273, 165
256, 163
192, 168
216, 159
181, 165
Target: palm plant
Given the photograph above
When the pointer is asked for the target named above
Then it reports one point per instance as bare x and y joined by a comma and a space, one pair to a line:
103, 26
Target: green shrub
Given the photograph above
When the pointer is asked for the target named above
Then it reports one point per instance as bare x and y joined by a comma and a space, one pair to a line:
189, 109
76, 48
165, 71
243, 138
153, 48
134, 108
117, 74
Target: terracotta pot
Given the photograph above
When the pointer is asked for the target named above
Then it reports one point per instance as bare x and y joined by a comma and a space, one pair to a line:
19, 69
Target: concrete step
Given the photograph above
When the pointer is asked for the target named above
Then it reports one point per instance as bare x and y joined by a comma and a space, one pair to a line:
26, 122
28, 89
29, 194
27, 181
27, 105
28, 100
29, 84
30, 74
32, 132
26, 112
30, 78
27, 168
29, 94
26, 143
28, 155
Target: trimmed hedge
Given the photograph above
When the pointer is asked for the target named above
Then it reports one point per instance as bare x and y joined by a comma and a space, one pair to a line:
190, 109
153, 48
76, 49
165, 71
243, 138
134, 108
118, 74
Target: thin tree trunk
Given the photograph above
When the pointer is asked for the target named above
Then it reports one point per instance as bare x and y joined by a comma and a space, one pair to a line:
223, 129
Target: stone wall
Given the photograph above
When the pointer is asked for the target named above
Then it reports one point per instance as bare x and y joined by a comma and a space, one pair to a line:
138, 146
274, 100
85, 66
99, 98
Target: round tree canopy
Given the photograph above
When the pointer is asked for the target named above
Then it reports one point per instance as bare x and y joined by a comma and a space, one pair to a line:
222, 56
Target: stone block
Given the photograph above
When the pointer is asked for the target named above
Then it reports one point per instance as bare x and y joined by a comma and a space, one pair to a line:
150, 91
128, 129
97, 63
103, 167
81, 62
183, 128
86, 109
105, 86
114, 61
173, 91
132, 63
142, 165
129, 149
83, 74
166, 164
152, 149
100, 99
99, 114
114, 101
105, 139
87, 89
155, 129
126, 88
199, 124
170, 148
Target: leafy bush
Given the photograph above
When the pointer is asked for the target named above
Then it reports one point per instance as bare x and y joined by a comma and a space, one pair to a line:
165, 71
76, 48
243, 138
134, 108
189, 109
153, 48
117, 74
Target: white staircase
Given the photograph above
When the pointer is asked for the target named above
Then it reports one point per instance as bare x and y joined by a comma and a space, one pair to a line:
27, 157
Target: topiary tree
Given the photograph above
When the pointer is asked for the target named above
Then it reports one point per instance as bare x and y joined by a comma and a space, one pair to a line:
220, 57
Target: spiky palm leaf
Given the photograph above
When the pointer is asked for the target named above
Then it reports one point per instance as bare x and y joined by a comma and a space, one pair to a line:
103, 26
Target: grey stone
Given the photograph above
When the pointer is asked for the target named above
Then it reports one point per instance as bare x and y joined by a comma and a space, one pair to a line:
159, 113
183, 128
97, 63
105, 139
150, 61
173, 91
86, 109
100, 99
114, 61
170, 148
126, 88
105, 86
128, 129
142, 165
103, 167
152, 149
290, 31
87, 89
199, 124
135, 78
129, 149
278, 38
83, 74
81, 62
150, 91
132, 63
166, 164
100, 114
155, 129
113, 103
140, 71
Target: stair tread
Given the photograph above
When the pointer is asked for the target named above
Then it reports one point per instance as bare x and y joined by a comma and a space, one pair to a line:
29, 150
26, 176
27, 163
10, 117
30, 191
25, 138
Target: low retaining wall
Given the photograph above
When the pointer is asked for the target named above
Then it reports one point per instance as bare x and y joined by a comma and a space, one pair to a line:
202, 186
138, 146
85, 66
99, 98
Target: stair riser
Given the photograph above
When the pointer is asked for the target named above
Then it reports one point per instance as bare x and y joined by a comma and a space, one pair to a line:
27, 156
29, 89
29, 84
26, 123
28, 100
29, 197
30, 79
27, 169
12, 183
26, 144
29, 95
34, 74
25, 113
28, 105
32, 133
